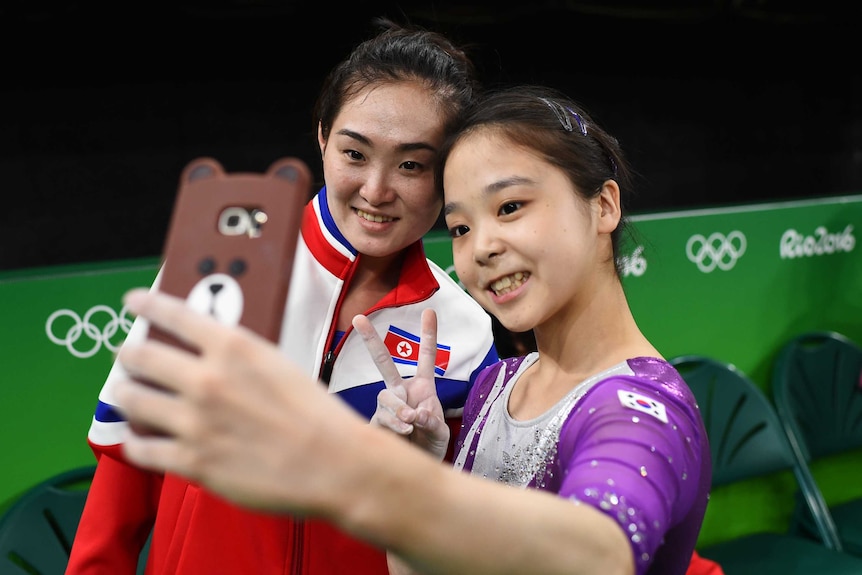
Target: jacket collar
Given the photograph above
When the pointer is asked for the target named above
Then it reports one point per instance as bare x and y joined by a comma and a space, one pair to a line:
332, 250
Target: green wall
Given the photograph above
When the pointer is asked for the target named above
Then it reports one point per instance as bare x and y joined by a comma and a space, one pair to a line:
733, 283
49, 387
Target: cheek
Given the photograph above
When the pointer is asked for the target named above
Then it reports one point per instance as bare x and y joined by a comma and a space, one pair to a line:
335, 176
422, 196
339, 175
462, 260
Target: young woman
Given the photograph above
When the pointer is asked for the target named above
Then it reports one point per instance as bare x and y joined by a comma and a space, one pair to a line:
588, 456
382, 115
596, 415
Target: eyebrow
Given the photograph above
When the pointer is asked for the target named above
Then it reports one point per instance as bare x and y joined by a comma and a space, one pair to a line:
406, 147
492, 188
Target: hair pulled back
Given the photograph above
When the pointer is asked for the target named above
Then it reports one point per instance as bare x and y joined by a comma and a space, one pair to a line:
400, 53
557, 129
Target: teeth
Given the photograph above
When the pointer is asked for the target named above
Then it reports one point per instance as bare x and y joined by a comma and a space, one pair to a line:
509, 283
373, 218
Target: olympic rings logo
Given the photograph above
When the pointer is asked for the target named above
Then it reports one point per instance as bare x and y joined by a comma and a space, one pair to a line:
717, 250
99, 333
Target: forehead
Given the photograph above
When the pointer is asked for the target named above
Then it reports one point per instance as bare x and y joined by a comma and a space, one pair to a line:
487, 162
488, 153
404, 111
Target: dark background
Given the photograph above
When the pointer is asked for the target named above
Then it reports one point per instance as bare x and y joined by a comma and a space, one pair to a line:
103, 104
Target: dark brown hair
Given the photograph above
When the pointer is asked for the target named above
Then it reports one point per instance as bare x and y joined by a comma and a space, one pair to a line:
557, 129
400, 53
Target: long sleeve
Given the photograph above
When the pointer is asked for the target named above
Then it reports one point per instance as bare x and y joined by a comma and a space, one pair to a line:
117, 519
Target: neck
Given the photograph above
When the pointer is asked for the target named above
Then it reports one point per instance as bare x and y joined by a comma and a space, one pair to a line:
593, 335
377, 271
371, 281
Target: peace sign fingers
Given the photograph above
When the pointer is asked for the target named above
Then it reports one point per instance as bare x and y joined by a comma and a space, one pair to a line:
379, 352
412, 407
427, 348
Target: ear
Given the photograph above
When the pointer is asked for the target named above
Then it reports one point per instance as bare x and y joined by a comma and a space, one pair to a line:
201, 168
608, 206
321, 142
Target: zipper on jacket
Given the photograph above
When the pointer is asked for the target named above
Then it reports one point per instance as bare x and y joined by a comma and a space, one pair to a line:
328, 362
296, 560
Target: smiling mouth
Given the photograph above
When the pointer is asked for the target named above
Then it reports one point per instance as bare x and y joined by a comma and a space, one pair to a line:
373, 218
509, 283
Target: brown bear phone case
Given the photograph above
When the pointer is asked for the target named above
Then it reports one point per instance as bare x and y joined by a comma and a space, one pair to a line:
231, 241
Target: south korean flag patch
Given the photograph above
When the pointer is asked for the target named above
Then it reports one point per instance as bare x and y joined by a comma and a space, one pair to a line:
643, 404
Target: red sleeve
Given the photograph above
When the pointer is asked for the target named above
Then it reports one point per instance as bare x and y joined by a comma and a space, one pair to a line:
117, 519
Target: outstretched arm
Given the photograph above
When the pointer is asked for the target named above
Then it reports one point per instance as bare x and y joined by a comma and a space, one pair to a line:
246, 422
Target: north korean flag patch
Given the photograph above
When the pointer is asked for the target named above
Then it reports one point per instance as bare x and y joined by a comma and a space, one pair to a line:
403, 346
643, 404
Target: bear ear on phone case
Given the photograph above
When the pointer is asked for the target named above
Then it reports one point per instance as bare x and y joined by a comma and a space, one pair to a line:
231, 242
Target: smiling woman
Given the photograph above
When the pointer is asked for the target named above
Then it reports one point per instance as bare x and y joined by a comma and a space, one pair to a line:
360, 251
378, 158
588, 456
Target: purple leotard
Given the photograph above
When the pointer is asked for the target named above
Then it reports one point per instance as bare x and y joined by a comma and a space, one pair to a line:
629, 441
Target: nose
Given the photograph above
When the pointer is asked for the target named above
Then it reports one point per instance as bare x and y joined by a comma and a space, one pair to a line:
487, 245
377, 188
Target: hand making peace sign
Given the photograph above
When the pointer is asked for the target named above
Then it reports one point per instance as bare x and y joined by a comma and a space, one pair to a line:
409, 406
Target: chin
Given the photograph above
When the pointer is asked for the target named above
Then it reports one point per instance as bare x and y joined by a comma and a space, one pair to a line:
515, 323
379, 247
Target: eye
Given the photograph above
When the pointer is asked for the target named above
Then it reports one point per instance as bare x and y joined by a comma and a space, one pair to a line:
411, 166
236, 268
510, 207
206, 266
354, 155
458, 231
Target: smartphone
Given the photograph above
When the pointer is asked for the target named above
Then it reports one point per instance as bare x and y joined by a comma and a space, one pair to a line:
231, 242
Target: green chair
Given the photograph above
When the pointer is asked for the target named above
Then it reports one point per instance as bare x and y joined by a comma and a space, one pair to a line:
817, 393
747, 441
36, 531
